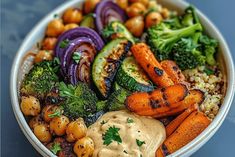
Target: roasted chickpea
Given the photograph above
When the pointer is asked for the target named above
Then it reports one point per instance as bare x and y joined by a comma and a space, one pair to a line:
76, 130
135, 9
43, 55
55, 28
154, 5
152, 18
144, 2
49, 43
165, 13
42, 132
122, 3
70, 26
84, 147
135, 25
90, 5
72, 15
35, 121
30, 106
58, 125
50, 111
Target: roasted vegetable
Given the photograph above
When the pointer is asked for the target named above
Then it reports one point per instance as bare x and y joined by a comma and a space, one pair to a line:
106, 12
161, 38
149, 63
156, 102
88, 21
40, 80
190, 17
132, 77
107, 63
117, 30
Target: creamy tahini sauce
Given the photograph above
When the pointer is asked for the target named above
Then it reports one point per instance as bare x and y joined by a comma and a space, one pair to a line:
149, 130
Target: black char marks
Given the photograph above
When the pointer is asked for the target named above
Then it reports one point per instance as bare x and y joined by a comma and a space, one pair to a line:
158, 71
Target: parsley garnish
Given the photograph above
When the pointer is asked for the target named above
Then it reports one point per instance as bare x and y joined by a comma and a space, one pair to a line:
111, 135
57, 113
103, 122
55, 15
129, 120
64, 43
125, 151
110, 30
139, 143
77, 56
208, 71
55, 148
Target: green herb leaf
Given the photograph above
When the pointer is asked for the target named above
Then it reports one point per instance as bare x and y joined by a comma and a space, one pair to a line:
55, 148
111, 135
103, 122
55, 15
139, 143
125, 151
208, 71
64, 43
129, 120
77, 56
57, 113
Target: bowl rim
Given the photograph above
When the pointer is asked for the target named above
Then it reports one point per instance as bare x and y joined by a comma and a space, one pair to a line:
188, 149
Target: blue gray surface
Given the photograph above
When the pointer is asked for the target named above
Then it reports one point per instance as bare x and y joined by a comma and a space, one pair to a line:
18, 18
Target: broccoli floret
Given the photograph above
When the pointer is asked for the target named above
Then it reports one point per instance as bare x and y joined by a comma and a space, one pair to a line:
208, 47
190, 17
116, 99
80, 100
186, 53
40, 80
161, 38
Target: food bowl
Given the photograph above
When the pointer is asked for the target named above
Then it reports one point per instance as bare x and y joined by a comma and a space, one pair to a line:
224, 58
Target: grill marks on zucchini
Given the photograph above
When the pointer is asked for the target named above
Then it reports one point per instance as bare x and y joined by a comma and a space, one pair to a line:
107, 63
132, 77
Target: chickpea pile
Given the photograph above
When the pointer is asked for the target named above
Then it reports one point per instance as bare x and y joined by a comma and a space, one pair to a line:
47, 122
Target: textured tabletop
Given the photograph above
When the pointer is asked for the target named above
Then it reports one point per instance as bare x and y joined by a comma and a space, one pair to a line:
18, 18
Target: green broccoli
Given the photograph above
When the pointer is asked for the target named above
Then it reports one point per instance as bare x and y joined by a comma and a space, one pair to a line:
186, 53
116, 99
40, 79
208, 47
80, 100
190, 17
161, 38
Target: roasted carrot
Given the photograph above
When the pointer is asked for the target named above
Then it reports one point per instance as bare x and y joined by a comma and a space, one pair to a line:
195, 97
190, 128
174, 72
173, 125
156, 102
149, 63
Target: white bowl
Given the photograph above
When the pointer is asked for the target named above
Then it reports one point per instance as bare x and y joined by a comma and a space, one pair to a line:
224, 58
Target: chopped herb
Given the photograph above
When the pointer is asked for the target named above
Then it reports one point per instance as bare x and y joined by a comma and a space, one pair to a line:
38, 45
56, 60
110, 30
125, 151
55, 15
129, 120
208, 71
77, 56
139, 143
103, 122
141, 155
55, 148
64, 43
112, 135
57, 113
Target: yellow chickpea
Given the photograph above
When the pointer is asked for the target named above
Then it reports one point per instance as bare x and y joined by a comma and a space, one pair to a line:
70, 26
35, 121
89, 5
152, 18
122, 3
49, 43
55, 28
144, 2
43, 55
42, 132
165, 13
58, 125
84, 147
76, 130
49, 112
30, 106
135, 9
135, 25
72, 15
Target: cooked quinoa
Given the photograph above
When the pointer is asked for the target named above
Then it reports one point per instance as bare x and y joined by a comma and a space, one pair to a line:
212, 85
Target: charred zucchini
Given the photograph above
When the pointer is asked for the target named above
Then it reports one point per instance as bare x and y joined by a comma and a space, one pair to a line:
106, 64
88, 21
132, 77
